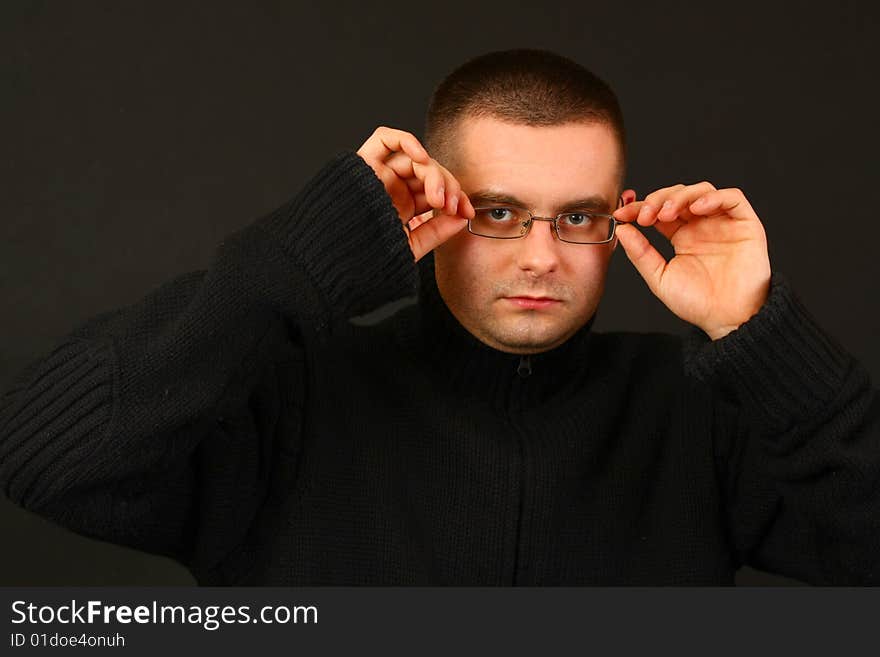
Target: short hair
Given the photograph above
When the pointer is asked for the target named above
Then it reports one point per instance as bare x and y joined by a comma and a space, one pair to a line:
523, 86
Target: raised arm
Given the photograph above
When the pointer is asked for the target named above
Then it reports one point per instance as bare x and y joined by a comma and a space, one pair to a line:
157, 425
797, 445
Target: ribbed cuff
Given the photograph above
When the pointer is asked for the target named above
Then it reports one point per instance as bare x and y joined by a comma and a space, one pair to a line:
64, 398
779, 365
345, 233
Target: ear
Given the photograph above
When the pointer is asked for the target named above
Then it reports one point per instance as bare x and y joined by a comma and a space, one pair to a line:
626, 197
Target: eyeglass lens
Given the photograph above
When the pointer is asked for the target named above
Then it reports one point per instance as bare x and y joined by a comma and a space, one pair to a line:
509, 223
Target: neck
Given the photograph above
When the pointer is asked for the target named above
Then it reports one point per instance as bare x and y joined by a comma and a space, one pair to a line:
514, 382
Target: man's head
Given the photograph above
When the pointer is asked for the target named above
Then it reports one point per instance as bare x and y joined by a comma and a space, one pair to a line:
538, 129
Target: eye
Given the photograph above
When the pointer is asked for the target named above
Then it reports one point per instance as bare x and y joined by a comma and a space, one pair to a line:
500, 214
577, 219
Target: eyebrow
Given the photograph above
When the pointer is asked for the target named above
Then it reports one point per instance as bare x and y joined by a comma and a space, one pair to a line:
480, 197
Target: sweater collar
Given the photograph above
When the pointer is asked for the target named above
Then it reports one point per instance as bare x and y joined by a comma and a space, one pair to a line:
503, 380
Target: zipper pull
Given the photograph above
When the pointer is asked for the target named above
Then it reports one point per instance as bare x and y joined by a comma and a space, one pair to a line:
525, 366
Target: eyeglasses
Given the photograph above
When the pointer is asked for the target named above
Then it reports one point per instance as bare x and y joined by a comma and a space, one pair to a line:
511, 222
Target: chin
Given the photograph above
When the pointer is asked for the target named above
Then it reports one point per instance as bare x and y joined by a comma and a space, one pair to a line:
529, 341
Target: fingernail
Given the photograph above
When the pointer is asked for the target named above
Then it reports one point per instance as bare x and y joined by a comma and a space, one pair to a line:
454, 204
442, 196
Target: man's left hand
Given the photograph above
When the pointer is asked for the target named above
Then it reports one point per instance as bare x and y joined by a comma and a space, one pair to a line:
720, 274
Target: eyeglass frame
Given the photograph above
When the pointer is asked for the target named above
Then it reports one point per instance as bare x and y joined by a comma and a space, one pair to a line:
553, 220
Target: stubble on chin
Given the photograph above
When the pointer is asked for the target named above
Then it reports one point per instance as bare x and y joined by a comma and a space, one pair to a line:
520, 331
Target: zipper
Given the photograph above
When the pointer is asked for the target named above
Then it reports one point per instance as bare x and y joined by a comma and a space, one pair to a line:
519, 539
524, 370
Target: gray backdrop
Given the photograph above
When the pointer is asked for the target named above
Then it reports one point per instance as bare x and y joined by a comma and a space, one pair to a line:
136, 135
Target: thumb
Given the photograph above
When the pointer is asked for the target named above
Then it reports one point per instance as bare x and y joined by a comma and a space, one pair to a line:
647, 260
433, 232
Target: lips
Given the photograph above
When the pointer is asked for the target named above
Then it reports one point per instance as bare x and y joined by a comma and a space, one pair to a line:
532, 302
535, 297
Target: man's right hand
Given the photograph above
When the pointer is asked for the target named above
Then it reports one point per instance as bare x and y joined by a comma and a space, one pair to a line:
417, 185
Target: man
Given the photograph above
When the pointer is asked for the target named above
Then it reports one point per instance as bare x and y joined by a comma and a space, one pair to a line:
237, 421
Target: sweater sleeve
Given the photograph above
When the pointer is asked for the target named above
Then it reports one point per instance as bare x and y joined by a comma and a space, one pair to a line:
797, 445
156, 425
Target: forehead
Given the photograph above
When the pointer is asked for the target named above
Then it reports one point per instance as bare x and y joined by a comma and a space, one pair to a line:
542, 165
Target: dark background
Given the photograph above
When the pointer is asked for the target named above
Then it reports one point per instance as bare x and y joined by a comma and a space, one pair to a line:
136, 135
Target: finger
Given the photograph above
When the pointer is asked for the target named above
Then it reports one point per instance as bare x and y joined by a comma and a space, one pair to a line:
402, 164
647, 260
647, 214
650, 206
640, 212
418, 176
665, 204
404, 167
398, 191
435, 187
453, 191
729, 201
434, 232
455, 201
465, 207
629, 211
429, 179
421, 203
440, 186
385, 141
657, 197
675, 204
421, 177
669, 228
419, 219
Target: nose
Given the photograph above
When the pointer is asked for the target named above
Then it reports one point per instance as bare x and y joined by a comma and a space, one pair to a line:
539, 250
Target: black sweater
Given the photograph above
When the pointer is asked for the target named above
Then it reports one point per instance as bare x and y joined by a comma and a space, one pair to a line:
237, 421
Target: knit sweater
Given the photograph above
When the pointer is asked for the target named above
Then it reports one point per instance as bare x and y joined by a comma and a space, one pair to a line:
237, 420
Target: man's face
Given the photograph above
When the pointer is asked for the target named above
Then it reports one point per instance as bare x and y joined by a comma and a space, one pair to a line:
545, 169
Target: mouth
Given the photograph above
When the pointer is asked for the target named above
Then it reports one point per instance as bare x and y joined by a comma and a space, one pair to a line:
532, 302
